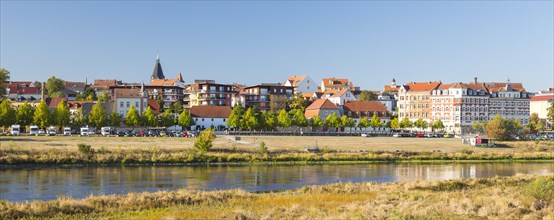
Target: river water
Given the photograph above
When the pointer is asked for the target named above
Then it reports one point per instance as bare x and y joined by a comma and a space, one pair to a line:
25, 184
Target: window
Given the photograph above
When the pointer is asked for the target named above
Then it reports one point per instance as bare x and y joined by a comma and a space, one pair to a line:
121, 104
136, 104
128, 104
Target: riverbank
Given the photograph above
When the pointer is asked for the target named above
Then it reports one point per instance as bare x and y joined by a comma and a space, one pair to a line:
519, 197
18, 151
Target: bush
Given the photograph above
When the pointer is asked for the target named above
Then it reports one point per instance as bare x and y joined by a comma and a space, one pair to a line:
467, 151
204, 141
541, 188
262, 149
85, 149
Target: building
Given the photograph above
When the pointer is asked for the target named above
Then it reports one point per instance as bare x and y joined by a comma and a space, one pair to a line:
357, 110
413, 100
21, 91
457, 105
337, 84
169, 90
101, 85
210, 117
509, 100
322, 108
125, 98
339, 97
158, 73
266, 96
72, 89
539, 104
207, 92
301, 84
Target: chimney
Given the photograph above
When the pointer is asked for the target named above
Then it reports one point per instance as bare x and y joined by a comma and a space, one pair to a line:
475, 80
42, 92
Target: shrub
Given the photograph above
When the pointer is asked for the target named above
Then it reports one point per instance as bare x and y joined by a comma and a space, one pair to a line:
85, 149
262, 149
467, 151
541, 188
204, 141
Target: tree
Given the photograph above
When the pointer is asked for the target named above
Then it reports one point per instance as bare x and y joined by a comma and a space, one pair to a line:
533, 123
132, 118
550, 115
167, 119
478, 126
364, 123
366, 95
78, 118
7, 114
439, 125
98, 116
115, 119
346, 121
53, 85
333, 120
160, 101
4, 77
235, 117
58, 94
500, 128
104, 96
42, 115
299, 119
517, 124
405, 123
185, 119
87, 95
298, 102
316, 121
375, 122
251, 118
61, 114
283, 119
177, 107
24, 114
419, 123
394, 124
269, 119
204, 141
150, 118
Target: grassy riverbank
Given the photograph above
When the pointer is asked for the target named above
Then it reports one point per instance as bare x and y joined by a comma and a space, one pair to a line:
64, 151
519, 197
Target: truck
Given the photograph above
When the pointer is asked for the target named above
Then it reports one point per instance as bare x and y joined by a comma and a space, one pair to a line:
15, 130
105, 131
33, 130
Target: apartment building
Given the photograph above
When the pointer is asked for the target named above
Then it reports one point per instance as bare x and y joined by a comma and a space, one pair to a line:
301, 84
208, 93
337, 84
509, 100
266, 96
414, 100
169, 90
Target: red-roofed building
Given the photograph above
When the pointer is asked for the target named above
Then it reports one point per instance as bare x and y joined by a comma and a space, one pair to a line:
413, 100
357, 110
210, 116
322, 108
337, 84
301, 84
539, 104
509, 100
22, 91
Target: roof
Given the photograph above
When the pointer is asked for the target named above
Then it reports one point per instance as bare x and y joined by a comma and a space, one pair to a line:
539, 98
322, 104
476, 87
209, 111
294, 80
16, 89
68, 84
422, 86
158, 73
365, 106
20, 83
335, 82
180, 77
109, 82
162, 82
53, 102
391, 88
308, 95
501, 86
153, 105
127, 93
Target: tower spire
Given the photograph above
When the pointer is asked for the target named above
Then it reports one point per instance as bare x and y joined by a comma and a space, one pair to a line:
158, 72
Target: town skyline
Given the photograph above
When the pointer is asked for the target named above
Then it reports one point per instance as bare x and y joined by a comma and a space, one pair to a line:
368, 42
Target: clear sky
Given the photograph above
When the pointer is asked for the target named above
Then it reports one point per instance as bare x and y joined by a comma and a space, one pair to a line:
253, 42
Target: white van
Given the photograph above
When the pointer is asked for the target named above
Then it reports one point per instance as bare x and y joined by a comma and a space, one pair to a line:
33, 130
51, 131
105, 131
15, 130
67, 131
84, 131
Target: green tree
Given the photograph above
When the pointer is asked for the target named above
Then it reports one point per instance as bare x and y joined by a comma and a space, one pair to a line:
478, 126
517, 124
87, 95
98, 116
438, 125
346, 121
283, 119
235, 118
104, 96
53, 85
115, 119
419, 123
405, 123
394, 124
78, 118
500, 128
363, 123
24, 114
299, 119
42, 115
204, 141
150, 118
375, 122
185, 119
62, 114
366, 95
550, 114
58, 94
333, 120
269, 119
316, 121
298, 102
251, 118
4, 77
177, 107
132, 118
7, 114
167, 119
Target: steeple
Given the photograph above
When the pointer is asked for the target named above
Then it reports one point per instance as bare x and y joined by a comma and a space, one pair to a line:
508, 85
158, 72
180, 77
393, 84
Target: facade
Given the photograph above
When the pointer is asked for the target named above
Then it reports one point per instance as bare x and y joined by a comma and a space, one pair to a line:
301, 84
457, 105
322, 108
337, 84
413, 100
125, 98
509, 100
169, 90
22, 91
339, 97
539, 104
357, 110
210, 117
101, 85
207, 92
266, 96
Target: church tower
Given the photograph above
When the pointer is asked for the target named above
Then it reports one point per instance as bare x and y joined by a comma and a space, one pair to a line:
157, 73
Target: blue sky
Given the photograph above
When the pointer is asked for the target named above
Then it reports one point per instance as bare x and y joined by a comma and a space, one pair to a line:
252, 42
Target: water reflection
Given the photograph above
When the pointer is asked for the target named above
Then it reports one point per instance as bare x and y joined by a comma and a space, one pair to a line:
21, 184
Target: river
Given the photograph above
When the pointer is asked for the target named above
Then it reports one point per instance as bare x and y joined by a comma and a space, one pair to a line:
26, 184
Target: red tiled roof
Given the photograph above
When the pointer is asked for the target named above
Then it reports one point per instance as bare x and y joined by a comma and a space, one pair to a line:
322, 104
208, 111
153, 105
295, 79
472, 86
335, 82
363, 107
74, 84
108, 82
421, 86
391, 88
499, 86
542, 98
15, 89
162, 82
53, 102
127, 93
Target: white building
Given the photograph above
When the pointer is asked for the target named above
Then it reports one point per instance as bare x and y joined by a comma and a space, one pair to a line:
509, 100
301, 84
210, 116
339, 97
539, 104
125, 98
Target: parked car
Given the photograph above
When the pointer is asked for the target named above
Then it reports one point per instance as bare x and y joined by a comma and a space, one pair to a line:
431, 135
105, 131
153, 133
41, 132
128, 133
420, 135
120, 133
192, 134
448, 135
397, 135
52, 131
67, 131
